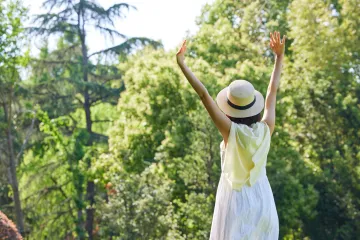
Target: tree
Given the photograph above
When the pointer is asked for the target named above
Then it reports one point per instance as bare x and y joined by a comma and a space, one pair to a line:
11, 58
161, 121
54, 175
139, 205
322, 109
73, 20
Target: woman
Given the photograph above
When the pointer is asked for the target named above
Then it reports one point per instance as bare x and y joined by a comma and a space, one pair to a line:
244, 207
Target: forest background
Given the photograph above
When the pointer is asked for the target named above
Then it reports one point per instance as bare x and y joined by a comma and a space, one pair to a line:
115, 144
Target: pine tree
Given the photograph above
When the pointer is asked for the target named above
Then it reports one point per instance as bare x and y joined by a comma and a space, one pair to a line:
73, 20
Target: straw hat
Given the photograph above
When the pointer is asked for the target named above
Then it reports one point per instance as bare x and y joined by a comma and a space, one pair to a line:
240, 100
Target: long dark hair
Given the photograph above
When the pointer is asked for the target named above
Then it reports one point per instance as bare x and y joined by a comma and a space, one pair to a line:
247, 121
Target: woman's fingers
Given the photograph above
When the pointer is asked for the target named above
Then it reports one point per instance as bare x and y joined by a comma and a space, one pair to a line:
278, 36
182, 48
272, 37
275, 37
277, 43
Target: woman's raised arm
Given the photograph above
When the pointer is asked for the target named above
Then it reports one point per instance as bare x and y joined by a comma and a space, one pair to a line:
222, 122
278, 47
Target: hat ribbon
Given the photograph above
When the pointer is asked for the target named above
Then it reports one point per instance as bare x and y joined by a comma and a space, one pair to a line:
241, 107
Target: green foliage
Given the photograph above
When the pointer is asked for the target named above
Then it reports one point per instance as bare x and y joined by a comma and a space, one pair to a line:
67, 74
195, 215
324, 117
13, 107
153, 151
140, 208
53, 196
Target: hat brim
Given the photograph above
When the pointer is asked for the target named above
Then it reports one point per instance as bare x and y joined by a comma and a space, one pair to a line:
221, 101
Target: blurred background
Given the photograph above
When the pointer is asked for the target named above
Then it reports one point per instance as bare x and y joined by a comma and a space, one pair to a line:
103, 138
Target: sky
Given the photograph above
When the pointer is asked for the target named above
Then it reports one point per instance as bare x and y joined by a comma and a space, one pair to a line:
165, 20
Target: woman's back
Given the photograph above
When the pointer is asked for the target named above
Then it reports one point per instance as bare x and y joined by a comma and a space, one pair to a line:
246, 152
245, 207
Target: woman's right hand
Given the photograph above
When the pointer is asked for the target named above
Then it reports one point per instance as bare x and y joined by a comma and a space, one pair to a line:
276, 44
180, 55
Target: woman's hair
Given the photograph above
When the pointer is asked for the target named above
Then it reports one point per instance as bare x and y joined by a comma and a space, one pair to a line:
247, 121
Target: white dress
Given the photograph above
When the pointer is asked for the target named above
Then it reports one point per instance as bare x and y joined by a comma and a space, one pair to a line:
249, 213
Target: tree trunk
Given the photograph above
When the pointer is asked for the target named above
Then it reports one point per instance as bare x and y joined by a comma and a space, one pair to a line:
90, 189
12, 171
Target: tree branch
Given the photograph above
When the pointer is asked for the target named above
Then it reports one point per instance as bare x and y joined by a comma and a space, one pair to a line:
54, 62
105, 120
62, 192
128, 45
105, 78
